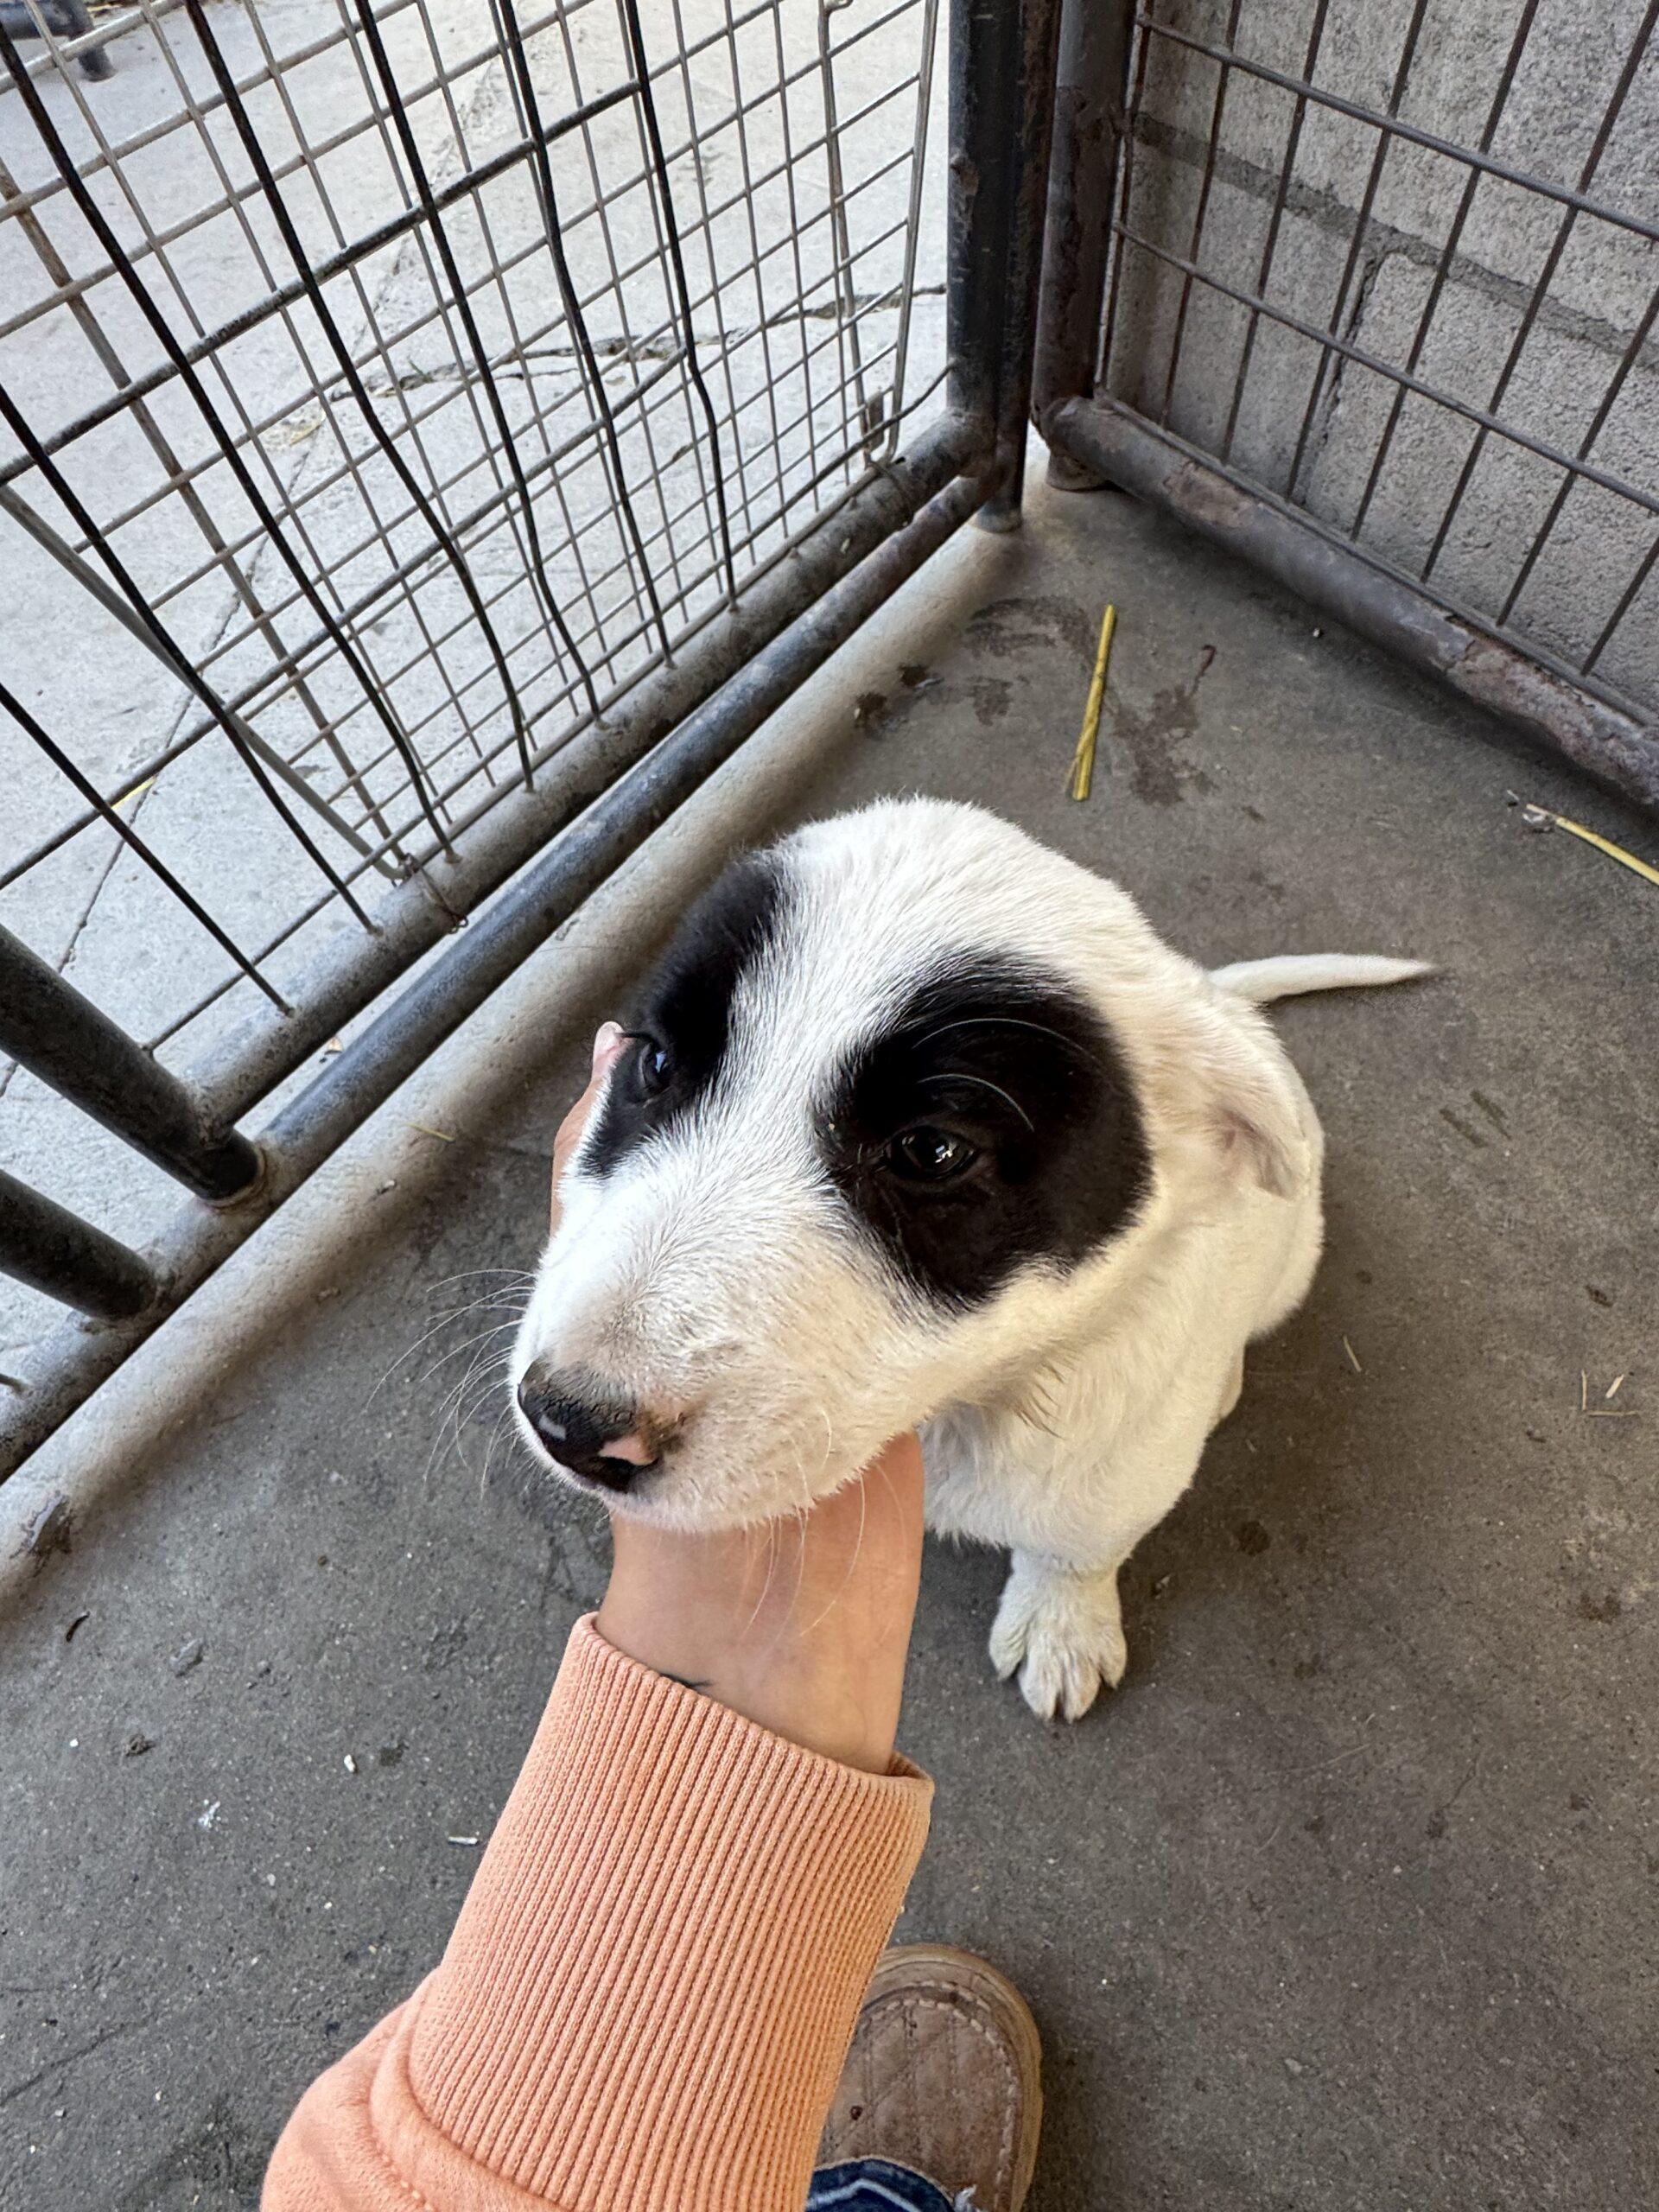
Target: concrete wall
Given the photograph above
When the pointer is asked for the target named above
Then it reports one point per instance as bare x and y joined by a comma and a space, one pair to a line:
1601, 290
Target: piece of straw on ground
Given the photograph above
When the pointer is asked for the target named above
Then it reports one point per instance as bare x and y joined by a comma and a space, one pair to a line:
1083, 760
1538, 815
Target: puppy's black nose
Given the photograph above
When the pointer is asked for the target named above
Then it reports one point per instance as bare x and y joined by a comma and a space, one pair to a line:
593, 1435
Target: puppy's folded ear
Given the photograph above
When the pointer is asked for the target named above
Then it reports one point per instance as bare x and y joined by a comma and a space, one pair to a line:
1249, 1112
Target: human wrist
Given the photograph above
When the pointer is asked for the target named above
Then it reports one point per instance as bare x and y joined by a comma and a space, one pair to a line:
802, 1626
691, 1609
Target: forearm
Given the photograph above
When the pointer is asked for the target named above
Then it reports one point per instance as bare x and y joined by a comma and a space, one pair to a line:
649, 1993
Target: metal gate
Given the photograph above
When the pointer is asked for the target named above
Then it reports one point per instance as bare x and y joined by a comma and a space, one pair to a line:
477, 419
1366, 294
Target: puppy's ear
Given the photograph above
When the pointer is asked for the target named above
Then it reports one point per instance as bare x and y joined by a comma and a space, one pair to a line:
1249, 1113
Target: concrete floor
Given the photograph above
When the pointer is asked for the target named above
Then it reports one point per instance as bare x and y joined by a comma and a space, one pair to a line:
1347, 1898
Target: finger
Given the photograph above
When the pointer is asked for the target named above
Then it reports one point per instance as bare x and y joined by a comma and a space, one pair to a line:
608, 1042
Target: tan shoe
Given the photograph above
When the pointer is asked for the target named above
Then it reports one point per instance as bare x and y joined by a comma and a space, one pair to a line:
944, 2077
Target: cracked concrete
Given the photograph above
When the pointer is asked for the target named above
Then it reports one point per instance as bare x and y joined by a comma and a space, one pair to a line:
1346, 1898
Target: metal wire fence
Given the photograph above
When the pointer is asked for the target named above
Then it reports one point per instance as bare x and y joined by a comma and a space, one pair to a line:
434, 435
400, 385
1389, 274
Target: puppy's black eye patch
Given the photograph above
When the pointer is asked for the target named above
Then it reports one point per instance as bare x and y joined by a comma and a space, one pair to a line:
992, 1123
679, 1038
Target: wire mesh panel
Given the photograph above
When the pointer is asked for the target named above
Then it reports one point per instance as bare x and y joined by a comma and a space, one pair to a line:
1391, 270
386, 386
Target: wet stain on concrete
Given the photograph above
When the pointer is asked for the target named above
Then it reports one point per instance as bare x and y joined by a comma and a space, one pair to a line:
1006, 626
991, 695
1152, 739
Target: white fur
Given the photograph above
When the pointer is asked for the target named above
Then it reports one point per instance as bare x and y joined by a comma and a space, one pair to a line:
714, 1276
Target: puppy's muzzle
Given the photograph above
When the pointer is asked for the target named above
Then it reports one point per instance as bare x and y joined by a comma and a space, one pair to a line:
596, 1436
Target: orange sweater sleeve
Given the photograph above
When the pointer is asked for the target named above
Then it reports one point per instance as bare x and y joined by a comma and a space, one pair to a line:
649, 1993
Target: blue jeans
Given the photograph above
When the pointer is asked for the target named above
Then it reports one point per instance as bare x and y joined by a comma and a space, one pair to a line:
873, 2185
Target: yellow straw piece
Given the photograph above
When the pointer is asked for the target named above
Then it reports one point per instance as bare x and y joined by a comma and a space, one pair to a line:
1083, 760
1602, 844
137, 791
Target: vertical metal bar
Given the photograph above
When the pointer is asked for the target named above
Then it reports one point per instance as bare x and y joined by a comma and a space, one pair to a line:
848, 346
1616, 384
68, 1042
914, 227
54, 1251
1027, 185
1001, 113
593, 376
983, 116
1119, 218
1090, 94
1626, 599
422, 187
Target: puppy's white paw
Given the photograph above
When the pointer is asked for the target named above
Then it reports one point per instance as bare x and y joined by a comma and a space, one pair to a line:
1065, 1633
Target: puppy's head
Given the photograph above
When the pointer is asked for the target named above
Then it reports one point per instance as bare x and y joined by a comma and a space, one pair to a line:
876, 1126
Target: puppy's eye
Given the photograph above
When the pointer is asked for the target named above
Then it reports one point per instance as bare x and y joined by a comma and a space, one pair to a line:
930, 1156
653, 1067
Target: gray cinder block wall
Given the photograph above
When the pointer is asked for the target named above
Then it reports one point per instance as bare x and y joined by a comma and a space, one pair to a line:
1598, 309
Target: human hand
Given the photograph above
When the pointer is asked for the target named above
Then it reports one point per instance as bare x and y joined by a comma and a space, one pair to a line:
802, 1624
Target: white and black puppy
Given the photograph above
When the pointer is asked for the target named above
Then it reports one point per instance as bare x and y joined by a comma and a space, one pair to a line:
921, 1124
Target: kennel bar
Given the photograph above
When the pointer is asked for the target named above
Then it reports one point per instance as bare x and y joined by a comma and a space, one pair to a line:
1471, 492
47, 1027
763, 487
53, 1250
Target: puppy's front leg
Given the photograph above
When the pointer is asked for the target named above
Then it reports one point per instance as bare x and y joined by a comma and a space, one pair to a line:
1061, 1626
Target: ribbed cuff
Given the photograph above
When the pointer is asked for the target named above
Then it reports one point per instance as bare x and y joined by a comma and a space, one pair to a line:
648, 1997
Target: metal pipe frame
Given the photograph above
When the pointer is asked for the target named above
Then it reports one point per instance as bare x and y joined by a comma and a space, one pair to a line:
1091, 105
1002, 80
62, 1038
54, 1251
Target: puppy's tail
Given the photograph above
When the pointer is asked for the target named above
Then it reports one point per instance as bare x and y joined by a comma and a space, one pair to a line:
1263, 981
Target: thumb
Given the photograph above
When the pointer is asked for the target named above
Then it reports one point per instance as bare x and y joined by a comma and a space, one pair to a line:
609, 1042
